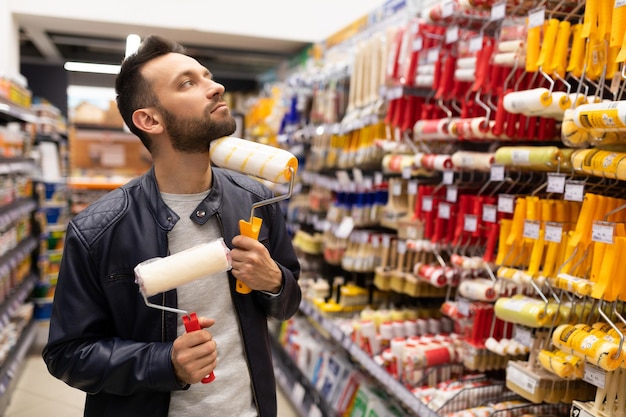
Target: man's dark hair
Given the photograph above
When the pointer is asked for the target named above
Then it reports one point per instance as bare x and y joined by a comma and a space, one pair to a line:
132, 89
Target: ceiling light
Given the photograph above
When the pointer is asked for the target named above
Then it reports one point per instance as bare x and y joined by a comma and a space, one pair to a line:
89, 67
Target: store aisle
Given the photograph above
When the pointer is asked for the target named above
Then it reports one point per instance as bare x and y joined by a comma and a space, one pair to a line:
39, 394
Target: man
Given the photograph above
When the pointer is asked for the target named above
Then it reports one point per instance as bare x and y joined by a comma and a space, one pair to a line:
133, 360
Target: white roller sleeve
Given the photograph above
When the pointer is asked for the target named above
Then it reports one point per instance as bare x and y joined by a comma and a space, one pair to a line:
252, 158
163, 274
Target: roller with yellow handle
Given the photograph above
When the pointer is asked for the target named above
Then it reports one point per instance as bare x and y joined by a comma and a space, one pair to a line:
262, 161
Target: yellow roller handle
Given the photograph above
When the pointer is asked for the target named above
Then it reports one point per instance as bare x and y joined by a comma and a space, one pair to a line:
250, 229
533, 45
546, 53
577, 51
590, 18
618, 26
561, 48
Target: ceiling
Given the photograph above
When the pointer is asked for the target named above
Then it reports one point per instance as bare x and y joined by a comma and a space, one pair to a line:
241, 60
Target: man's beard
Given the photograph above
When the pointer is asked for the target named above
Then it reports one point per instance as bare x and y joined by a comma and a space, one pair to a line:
195, 134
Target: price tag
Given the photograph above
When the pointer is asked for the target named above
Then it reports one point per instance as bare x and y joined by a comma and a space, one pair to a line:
427, 204
451, 193
554, 232
497, 173
531, 229
498, 11
447, 9
536, 18
602, 232
476, 44
463, 306
433, 55
574, 191
396, 189
444, 211
470, 223
556, 183
406, 172
523, 335
521, 379
411, 188
452, 34
506, 203
577, 411
418, 44
489, 213
345, 228
594, 375
448, 177
620, 3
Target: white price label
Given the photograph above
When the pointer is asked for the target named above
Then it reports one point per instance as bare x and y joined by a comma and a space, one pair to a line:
520, 157
448, 177
531, 229
476, 44
406, 172
536, 18
498, 11
411, 188
523, 335
506, 203
574, 191
451, 193
470, 223
452, 34
433, 55
489, 213
602, 232
521, 379
396, 189
594, 375
418, 44
556, 183
444, 211
345, 228
447, 9
554, 232
463, 306
427, 204
497, 173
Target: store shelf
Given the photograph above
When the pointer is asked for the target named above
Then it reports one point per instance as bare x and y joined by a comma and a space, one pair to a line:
12, 112
299, 390
12, 368
386, 381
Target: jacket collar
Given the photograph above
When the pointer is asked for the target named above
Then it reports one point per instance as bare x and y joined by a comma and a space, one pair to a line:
164, 216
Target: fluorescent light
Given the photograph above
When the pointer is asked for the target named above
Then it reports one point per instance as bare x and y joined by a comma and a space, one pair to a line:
132, 44
89, 67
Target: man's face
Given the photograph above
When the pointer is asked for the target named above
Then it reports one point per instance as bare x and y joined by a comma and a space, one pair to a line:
190, 102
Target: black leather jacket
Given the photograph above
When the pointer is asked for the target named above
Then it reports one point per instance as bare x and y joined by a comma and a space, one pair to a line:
103, 338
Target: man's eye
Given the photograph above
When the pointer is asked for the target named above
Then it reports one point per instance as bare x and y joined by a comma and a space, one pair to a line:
186, 83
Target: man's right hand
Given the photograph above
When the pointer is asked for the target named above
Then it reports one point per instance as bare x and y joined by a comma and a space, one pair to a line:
194, 354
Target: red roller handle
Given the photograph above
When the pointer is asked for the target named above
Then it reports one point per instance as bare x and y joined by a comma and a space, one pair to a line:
191, 325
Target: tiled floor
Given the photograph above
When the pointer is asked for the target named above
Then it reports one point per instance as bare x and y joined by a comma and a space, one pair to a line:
40, 394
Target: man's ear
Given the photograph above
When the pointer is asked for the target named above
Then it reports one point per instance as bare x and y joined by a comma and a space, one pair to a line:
148, 120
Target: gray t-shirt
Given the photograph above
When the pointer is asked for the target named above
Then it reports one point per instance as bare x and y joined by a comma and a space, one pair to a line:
230, 394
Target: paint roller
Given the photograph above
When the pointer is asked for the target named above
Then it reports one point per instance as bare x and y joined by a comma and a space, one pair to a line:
263, 161
157, 275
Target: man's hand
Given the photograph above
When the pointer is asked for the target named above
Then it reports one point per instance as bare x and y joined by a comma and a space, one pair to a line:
253, 265
194, 354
